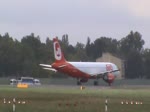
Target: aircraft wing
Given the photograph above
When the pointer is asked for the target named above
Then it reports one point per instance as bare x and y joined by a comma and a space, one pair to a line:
104, 73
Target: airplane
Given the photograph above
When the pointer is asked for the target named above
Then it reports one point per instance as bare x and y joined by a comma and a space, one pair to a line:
83, 71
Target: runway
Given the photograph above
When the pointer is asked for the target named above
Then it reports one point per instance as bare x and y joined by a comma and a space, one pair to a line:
92, 87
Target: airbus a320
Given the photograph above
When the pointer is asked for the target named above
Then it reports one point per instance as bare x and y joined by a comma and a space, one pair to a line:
82, 71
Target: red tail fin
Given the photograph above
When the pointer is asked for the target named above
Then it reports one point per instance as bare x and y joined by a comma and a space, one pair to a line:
59, 57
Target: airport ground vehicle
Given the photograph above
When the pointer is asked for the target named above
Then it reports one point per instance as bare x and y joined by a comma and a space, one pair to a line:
13, 81
25, 80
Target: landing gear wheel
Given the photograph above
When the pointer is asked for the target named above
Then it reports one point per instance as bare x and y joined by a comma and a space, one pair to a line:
109, 84
95, 83
78, 83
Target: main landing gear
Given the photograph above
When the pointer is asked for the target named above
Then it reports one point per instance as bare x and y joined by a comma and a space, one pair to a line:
95, 82
78, 82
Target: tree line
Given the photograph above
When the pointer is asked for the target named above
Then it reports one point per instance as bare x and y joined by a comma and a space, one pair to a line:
22, 58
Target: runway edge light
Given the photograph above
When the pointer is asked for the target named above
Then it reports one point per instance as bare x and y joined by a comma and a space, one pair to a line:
82, 88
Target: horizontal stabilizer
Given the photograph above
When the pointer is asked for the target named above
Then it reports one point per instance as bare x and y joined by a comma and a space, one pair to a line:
45, 65
54, 70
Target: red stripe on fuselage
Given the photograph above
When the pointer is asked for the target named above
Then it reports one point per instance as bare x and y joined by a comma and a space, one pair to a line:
70, 70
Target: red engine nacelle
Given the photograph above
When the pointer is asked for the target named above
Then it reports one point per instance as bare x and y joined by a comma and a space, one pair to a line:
109, 78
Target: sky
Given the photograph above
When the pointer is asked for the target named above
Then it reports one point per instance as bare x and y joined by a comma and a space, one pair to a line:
77, 18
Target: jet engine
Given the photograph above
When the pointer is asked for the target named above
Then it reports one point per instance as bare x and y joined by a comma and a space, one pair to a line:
109, 78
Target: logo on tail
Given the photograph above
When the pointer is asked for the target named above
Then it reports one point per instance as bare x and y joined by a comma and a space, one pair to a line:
57, 51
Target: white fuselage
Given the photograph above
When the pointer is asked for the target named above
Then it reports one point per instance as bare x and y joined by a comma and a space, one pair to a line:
94, 68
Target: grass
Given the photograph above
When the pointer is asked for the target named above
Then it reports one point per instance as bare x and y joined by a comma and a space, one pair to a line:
72, 99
